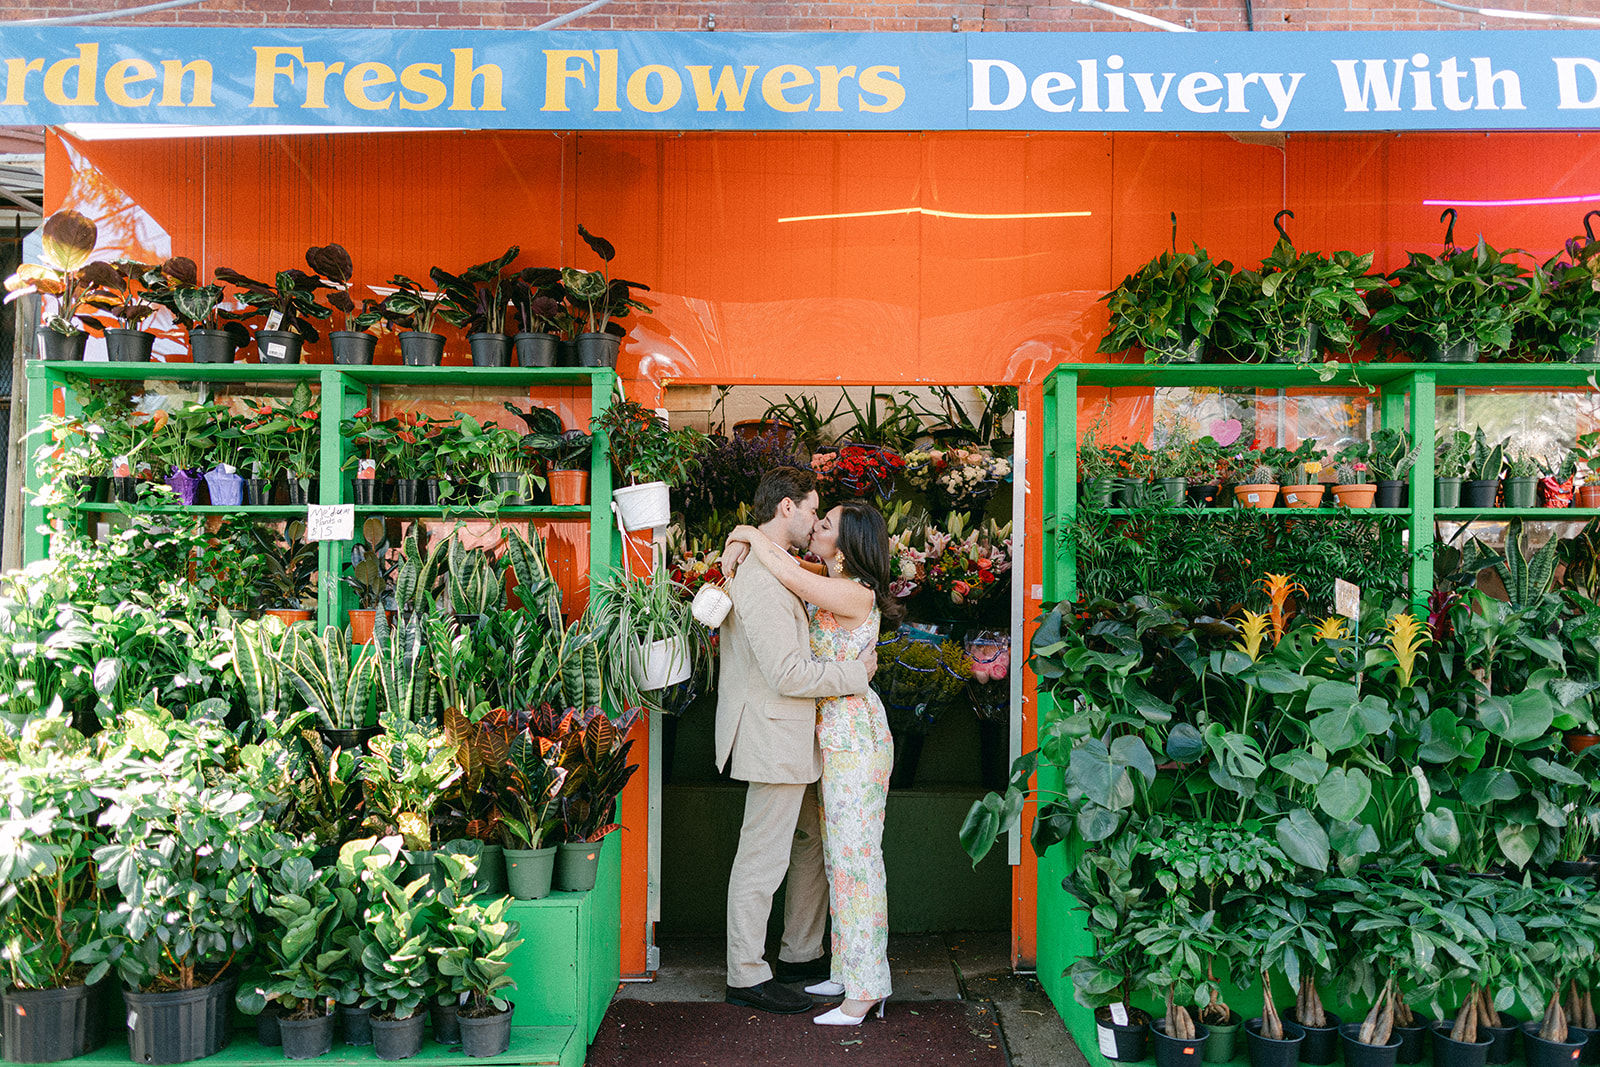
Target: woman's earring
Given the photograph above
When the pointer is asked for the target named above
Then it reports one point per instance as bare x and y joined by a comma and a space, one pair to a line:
838, 557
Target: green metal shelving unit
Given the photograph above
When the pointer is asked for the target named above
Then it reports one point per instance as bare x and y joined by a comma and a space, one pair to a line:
1061, 934
344, 391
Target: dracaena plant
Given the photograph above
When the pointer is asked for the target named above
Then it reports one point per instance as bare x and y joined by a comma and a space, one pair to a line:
67, 274
333, 266
476, 299
596, 297
291, 296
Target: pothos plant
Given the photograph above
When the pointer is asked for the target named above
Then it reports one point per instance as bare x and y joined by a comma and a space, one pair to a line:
1167, 304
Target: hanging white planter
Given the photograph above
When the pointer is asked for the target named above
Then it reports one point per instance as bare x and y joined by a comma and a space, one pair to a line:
660, 664
643, 507
711, 605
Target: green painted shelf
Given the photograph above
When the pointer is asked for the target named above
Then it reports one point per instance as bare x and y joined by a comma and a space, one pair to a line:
1346, 375
1497, 514
311, 372
544, 511
259, 510
1212, 513
530, 1045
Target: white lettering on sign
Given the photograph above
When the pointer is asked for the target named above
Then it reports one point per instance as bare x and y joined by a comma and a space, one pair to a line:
330, 522
1381, 84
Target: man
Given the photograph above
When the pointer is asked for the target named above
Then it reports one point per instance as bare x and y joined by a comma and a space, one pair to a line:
766, 721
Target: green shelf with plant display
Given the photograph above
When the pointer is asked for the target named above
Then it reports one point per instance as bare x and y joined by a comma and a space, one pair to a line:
177, 372
1498, 514
531, 1046
537, 511
264, 511
1236, 512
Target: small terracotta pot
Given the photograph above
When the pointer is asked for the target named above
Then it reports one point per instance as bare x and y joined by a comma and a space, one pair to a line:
569, 488
1305, 496
361, 623
1355, 495
1577, 742
1256, 496
289, 616
1589, 496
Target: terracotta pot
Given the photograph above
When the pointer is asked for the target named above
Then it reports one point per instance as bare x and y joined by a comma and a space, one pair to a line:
361, 623
1577, 742
1305, 496
569, 488
1256, 496
289, 616
1355, 495
1589, 496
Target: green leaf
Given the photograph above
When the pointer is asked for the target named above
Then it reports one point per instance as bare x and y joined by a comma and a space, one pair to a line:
1517, 842
1303, 840
1489, 783
1301, 766
1184, 744
1343, 794
1240, 756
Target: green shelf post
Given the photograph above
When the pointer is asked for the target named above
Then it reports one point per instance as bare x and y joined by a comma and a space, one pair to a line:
1061, 497
41, 391
605, 543
1423, 410
330, 490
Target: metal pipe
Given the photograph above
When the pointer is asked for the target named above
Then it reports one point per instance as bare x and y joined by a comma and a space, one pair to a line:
562, 20
101, 16
1136, 16
1502, 13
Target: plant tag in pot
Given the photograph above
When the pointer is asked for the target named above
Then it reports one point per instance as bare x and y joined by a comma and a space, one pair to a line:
367, 468
1346, 599
120, 468
275, 320
1119, 1014
1108, 1041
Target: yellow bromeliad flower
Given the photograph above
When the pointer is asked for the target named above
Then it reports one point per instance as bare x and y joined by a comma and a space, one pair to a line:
1331, 628
1279, 587
1254, 625
1407, 635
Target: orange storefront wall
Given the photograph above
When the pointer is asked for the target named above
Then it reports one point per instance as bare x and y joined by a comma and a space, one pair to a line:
823, 258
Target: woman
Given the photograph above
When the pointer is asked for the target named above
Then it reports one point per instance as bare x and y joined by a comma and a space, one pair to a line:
848, 599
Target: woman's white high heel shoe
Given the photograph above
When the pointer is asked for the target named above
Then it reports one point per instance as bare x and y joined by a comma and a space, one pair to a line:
839, 1017
826, 989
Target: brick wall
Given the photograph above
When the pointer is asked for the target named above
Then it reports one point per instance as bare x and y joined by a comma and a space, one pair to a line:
756, 16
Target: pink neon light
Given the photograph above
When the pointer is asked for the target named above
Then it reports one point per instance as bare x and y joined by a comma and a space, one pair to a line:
1532, 202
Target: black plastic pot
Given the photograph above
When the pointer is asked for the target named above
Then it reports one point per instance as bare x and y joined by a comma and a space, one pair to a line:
405, 492
364, 490
535, 349
429, 491
267, 1033
1270, 1052
301, 493
598, 349
423, 863
490, 349
419, 349
446, 1023
1123, 1042
566, 353
60, 347
1359, 1054
356, 1024
128, 346
278, 346
1391, 494
1450, 1053
1504, 1038
177, 1027
1479, 493
1321, 1045
257, 492
1200, 496
1413, 1042
398, 1039
352, 348
306, 1039
46, 1025
212, 346
1447, 492
1591, 1044
1574, 868
1173, 1052
125, 490
349, 740
508, 482
1541, 1053
487, 1036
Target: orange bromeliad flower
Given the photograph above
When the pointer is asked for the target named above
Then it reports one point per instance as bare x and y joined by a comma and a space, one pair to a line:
1279, 587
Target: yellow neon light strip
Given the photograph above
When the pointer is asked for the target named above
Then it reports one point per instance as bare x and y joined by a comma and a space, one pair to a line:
938, 214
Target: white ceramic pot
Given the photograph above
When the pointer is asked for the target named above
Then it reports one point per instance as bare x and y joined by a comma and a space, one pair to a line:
660, 664
643, 507
711, 605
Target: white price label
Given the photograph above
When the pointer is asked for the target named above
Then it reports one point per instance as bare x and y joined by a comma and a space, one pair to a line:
277, 350
1119, 1014
274, 320
1107, 1041
331, 522
1347, 599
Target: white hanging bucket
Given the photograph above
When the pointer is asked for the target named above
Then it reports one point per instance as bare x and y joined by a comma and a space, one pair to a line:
643, 507
711, 605
660, 664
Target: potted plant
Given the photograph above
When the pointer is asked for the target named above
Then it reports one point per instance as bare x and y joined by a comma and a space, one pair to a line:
49, 904
66, 274
1588, 450
528, 814
540, 302
650, 637
1556, 480
1260, 486
289, 590
371, 576
224, 483
1522, 479
476, 301
1390, 456
1451, 307
334, 688
474, 954
651, 457
353, 345
1452, 461
393, 945
598, 300
1300, 486
1565, 324
183, 440
175, 285
1483, 472
287, 301
301, 957
411, 309
124, 297
1168, 306
509, 467
595, 757
1350, 485
411, 766
293, 431
1169, 468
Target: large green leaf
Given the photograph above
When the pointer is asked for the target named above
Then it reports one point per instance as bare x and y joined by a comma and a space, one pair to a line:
1343, 794
1517, 841
1487, 784
1518, 719
1240, 756
1303, 840
1300, 765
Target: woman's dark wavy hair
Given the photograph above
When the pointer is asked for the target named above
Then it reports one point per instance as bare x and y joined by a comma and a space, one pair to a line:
864, 540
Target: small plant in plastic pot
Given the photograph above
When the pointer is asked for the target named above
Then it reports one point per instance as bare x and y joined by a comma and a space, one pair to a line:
474, 956
303, 958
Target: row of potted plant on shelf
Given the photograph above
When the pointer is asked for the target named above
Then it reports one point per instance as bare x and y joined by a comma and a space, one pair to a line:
565, 315
1460, 304
1469, 471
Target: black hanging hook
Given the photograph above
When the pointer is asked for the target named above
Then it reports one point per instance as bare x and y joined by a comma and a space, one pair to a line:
1277, 224
1588, 227
1450, 230
1174, 231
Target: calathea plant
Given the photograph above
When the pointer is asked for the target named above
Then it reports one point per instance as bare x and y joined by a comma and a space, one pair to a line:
68, 240
477, 298
335, 269
288, 301
175, 285
409, 306
595, 296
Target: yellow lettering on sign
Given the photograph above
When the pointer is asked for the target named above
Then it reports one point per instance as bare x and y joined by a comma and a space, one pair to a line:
831, 77
317, 75
415, 78
124, 73
172, 73
605, 80
728, 90
639, 88
268, 71
884, 82
86, 67
466, 74
779, 80
364, 76
557, 69
17, 71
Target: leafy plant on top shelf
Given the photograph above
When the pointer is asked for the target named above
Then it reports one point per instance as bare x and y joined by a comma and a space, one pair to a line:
1566, 324
410, 306
124, 296
597, 298
1391, 454
67, 239
175, 285
643, 449
333, 265
291, 295
1470, 294
1167, 304
477, 298
539, 300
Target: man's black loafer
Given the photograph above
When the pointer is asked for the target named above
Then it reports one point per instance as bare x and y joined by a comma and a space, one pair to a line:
770, 996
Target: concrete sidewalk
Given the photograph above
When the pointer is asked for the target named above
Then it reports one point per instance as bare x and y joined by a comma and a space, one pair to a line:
974, 968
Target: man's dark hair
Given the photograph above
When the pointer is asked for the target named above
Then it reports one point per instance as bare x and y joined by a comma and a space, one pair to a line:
785, 483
